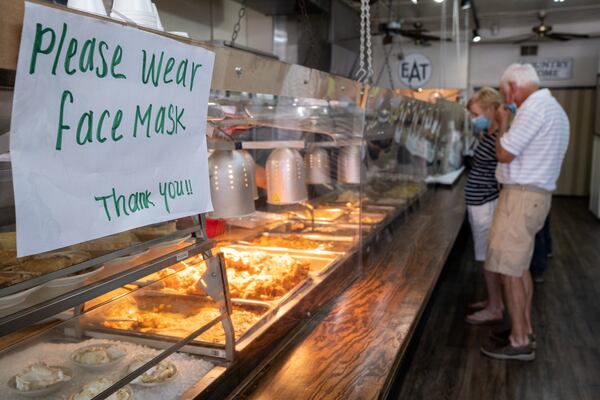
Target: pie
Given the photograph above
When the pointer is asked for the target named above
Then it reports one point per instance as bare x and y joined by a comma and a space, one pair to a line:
94, 388
160, 373
98, 354
108, 243
39, 376
154, 231
29, 267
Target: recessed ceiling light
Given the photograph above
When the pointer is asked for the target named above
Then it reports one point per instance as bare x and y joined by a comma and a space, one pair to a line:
476, 37
415, 1
439, 1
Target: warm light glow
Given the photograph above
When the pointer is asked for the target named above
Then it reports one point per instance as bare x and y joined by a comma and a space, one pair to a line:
414, 1
439, 1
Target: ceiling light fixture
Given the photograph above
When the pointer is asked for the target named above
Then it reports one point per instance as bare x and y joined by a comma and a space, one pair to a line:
559, 1
465, 4
439, 1
476, 37
415, 1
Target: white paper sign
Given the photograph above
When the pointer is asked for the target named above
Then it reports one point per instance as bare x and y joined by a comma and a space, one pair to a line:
415, 70
552, 69
108, 129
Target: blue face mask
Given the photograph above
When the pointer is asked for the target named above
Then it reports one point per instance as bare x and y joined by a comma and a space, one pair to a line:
481, 123
512, 107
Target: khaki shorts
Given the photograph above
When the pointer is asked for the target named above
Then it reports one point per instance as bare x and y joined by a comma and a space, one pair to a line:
520, 214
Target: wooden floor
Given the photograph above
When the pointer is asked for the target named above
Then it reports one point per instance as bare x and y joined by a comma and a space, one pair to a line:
446, 363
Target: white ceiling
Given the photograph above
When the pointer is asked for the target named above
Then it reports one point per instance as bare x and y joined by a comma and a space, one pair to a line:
505, 13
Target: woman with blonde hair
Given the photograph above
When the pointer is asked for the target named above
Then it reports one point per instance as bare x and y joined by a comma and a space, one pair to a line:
481, 192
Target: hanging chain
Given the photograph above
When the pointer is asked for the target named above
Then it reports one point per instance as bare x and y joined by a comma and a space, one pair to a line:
369, 51
387, 53
236, 27
365, 73
360, 74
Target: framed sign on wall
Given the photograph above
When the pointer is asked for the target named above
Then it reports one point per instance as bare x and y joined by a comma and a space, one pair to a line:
552, 69
415, 70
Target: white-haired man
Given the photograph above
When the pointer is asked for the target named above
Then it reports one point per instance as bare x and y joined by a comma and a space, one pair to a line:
530, 156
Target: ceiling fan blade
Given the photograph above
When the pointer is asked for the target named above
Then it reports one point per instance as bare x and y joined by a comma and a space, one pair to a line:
410, 32
572, 35
528, 38
431, 37
558, 36
505, 40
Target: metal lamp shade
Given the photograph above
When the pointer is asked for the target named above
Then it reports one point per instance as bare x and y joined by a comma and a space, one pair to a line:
285, 177
349, 165
316, 164
230, 188
250, 165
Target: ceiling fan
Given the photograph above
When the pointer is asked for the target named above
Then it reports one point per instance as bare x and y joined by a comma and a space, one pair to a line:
418, 34
541, 32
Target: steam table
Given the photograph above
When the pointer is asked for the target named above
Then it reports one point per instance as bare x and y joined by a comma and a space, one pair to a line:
352, 347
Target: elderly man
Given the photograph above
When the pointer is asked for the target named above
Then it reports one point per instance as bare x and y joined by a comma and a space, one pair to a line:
529, 155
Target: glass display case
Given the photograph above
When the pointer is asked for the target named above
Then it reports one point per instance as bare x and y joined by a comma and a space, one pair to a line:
306, 169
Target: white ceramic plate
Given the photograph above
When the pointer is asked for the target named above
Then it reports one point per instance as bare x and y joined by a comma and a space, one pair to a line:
127, 388
73, 280
12, 385
13, 299
173, 242
158, 383
96, 367
126, 259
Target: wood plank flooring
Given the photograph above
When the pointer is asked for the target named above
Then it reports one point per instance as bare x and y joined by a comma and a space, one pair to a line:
446, 363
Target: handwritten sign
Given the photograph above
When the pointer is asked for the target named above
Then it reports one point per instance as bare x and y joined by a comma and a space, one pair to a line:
108, 129
415, 70
552, 69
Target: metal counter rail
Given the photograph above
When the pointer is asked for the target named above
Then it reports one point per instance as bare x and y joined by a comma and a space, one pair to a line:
97, 261
39, 312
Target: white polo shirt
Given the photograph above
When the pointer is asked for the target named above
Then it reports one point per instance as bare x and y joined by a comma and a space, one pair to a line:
538, 138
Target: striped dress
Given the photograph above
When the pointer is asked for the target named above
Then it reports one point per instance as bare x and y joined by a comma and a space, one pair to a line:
482, 186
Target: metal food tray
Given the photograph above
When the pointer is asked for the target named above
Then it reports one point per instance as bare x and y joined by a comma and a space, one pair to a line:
374, 215
198, 347
319, 263
302, 226
305, 214
277, 303
340, 244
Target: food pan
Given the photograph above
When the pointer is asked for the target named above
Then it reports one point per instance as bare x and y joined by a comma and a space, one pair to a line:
319, 262
94, 328
328, 243
334, 229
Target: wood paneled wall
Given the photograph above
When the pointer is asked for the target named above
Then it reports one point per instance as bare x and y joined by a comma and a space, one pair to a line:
580, 105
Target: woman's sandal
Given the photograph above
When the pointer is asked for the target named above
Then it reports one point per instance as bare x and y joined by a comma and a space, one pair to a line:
483, 317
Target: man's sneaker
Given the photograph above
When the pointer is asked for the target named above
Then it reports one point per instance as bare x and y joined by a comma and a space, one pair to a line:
501, 336
505, 351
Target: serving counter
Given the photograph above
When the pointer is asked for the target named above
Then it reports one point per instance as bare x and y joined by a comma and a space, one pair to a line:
352, 347
311, 271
